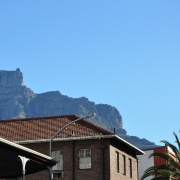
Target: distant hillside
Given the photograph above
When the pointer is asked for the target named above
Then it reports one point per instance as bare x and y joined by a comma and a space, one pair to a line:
18, 101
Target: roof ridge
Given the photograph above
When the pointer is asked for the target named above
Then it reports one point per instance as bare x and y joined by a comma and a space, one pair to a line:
38, 118
97, 126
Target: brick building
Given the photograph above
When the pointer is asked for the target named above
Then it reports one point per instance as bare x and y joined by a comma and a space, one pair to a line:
85, 151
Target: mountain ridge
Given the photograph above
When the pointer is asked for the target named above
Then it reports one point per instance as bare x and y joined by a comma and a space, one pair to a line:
19, 101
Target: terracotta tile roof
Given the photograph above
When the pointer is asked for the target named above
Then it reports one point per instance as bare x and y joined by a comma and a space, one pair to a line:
46, 127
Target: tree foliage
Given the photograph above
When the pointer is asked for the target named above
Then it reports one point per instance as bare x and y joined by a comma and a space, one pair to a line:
170, 170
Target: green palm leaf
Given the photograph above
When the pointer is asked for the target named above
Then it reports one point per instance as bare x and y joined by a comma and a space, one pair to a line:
171, 169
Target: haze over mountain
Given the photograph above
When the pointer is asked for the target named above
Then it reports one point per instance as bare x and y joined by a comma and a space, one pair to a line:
19, 101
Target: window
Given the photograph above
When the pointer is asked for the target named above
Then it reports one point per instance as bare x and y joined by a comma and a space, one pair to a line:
57, 175
58, 155
117, 161
124, 164
84, 159
130, 168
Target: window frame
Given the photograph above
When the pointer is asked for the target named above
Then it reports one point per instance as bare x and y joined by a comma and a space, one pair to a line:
130, 167
84, 155
117, 161
57, 175
124, 164
60, 160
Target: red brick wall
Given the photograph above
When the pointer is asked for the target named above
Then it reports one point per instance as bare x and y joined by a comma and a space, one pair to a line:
114, 175
42, 175
103, 164
98, 171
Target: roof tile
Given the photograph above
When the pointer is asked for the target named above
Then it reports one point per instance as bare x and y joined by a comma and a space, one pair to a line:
46, 127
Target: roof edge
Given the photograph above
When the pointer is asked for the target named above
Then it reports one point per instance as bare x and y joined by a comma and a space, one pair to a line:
129, 144
97, 126
40, 117
139, 152
15, 145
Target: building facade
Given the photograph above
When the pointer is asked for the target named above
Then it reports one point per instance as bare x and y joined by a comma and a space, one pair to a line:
84, 150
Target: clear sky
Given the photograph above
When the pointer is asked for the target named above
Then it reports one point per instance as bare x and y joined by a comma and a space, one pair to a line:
122, 53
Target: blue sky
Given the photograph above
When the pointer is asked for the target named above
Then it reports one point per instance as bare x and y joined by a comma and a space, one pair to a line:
122, 53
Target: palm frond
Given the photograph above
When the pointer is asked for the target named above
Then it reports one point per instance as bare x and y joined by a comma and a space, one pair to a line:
156, 172
173, 148
168, 158
171, 169
177, 140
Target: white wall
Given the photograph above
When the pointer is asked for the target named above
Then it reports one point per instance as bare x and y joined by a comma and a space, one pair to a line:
144, 162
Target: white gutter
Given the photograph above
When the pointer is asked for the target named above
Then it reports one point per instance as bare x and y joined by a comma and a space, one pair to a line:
24, 148
83, 138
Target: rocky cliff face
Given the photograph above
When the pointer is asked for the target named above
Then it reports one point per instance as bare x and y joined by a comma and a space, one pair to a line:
14, 96
54, 103
18, 101
11, 78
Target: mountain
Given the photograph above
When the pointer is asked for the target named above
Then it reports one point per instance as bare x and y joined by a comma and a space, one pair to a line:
18, 101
